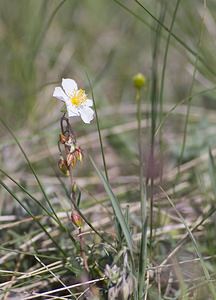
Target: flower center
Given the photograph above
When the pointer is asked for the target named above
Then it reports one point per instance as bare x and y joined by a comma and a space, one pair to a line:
78, 98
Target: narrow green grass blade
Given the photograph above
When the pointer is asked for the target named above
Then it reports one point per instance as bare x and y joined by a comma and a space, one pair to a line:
98, 129
28, 253
90, 225
116, 208
143, 198
196, 247
201, 35
212, 172
142, 261
78, 209
38, 202
165, 59
29, 194
33, 217
44, 31
33, 171
180, 41
154, 111
161, 123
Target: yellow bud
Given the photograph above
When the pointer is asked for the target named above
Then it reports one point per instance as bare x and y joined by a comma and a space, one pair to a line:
74, 187
139, 80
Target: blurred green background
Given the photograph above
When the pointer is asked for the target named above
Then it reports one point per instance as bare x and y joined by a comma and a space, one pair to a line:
43, 41
40, 45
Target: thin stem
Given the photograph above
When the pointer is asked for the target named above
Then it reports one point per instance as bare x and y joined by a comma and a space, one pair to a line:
143, 200
82, 252
154, 113
164, 70
44, 31
67, 130
33, 217
71, 142
190, 96
34, 173
141, 164
181, 42
99, 131
29, 194
168, 113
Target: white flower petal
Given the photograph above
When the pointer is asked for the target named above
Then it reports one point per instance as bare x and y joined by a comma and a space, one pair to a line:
60, 94
71, 109
89, 102
69, 86
71, 113
86, 113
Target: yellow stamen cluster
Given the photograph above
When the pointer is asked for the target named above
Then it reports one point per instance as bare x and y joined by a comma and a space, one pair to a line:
78, 98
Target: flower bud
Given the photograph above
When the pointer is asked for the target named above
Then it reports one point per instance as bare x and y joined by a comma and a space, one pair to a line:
71, 160
62, 138
79, 154
77, 219
62, 164
74, 156
139, 80
74, 187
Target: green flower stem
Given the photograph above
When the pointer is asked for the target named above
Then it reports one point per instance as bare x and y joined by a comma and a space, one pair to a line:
141, 165
143, 200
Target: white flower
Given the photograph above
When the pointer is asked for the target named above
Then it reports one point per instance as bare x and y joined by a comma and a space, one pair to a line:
76, 100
